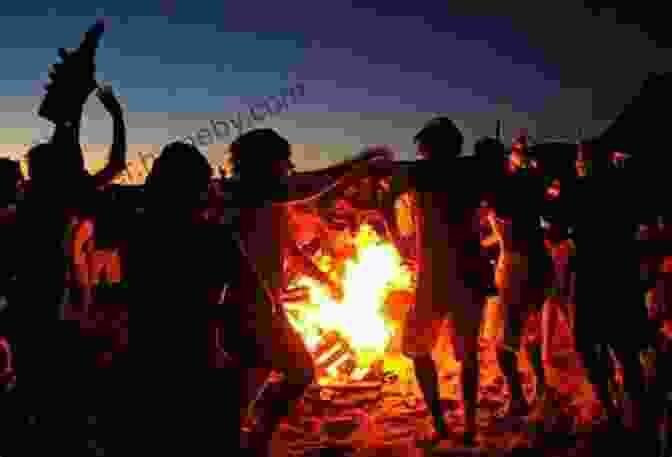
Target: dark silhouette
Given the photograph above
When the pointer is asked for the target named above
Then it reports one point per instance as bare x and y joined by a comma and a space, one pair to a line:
523, 268
447, 200
605, 212
265, 184
174, 290
59, 182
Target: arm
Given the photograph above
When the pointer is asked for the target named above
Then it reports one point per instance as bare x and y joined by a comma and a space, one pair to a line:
83, 233
305, 189
117, 157
490, 241
337, 171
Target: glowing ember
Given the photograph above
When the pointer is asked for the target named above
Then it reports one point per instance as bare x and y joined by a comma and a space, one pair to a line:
369, 277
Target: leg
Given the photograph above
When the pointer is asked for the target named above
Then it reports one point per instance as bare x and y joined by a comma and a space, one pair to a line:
507, 353
417, 344
595, 359
287, 353
534, 351
467, 333
549, 319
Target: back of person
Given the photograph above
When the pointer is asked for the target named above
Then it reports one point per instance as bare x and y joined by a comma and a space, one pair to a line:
448, 232
172, 280
606, 215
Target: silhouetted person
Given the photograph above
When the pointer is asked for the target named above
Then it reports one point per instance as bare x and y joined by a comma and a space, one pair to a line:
10, 185
450, 266
59, 181
490, 160
177, 267
262, 338
523, 269
605, 209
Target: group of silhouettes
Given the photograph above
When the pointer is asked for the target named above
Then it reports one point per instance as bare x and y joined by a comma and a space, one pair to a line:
200, 276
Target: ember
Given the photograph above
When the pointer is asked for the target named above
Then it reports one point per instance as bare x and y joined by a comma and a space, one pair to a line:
349, 338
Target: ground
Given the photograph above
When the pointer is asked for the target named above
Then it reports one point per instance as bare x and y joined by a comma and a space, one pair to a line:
391, 421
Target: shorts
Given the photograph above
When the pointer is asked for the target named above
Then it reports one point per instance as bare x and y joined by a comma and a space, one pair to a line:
423, 326
519, 297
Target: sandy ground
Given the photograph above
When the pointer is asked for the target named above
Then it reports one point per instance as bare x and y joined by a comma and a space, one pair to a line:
393, 420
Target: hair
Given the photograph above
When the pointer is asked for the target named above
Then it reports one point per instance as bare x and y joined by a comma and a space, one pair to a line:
489, 148
258, 148
48, 163
10, 174
442, 136
181, 171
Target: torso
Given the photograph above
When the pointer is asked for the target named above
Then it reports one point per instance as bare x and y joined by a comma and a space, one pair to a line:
448, 248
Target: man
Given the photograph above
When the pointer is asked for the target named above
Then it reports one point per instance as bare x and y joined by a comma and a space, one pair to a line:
523, 268
449, 263
605, 209
256, 207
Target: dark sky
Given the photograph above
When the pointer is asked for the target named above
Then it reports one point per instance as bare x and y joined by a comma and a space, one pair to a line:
372, 73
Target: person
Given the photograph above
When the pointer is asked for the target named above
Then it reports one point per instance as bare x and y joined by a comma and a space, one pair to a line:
59, 182
605, 196
255, 205
559, 301
11, 183
175, 292
449, 265
514, 205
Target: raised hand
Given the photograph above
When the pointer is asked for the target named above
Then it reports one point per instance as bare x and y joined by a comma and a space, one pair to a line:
72, 81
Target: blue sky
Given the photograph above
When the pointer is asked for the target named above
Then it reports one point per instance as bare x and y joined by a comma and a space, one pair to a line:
373, 74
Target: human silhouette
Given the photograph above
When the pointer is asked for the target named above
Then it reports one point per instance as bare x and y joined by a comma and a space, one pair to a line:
450, 265
59, 182
263, 188
605, 210
523, 269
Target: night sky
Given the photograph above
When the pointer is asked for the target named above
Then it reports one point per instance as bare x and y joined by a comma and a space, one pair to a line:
372, 73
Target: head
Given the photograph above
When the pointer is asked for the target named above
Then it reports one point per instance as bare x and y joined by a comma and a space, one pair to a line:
179, 176
261, 153
439, 140
590, 159
49, 164
489, 151
11, 180
520, 151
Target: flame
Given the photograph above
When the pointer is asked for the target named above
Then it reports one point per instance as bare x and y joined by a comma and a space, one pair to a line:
369, 276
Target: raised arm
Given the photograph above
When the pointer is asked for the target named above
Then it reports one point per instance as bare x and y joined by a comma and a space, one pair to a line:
117, 158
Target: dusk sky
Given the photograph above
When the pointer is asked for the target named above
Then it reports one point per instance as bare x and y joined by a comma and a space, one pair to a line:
373, 71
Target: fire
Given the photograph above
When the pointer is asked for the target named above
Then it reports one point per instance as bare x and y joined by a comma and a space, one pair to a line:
359, 318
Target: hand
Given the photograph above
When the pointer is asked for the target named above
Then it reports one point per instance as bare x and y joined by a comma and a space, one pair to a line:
106, 96
72, 81
377, 152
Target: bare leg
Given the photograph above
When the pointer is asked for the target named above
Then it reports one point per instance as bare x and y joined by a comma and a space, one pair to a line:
596, 363
470, 382
549, 322
508, 363
287, 354
425, 371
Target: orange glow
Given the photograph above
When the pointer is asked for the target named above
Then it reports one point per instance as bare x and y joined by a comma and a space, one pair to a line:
370, 276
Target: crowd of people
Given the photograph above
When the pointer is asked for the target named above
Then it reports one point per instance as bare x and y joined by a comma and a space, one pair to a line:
585, 246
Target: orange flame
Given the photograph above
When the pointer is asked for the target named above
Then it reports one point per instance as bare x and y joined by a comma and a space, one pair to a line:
369, 277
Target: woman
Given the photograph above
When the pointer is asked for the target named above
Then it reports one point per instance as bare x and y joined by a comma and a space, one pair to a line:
559, 298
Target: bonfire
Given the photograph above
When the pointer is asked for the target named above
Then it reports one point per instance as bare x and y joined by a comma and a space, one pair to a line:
349, 337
